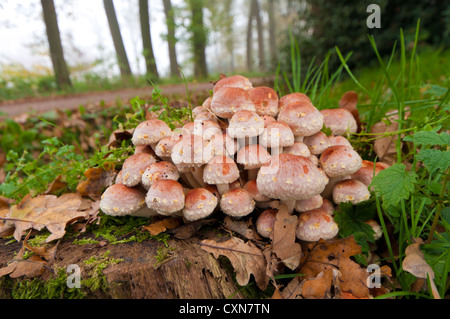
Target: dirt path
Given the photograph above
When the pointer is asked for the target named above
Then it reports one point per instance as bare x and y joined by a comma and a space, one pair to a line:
71, 102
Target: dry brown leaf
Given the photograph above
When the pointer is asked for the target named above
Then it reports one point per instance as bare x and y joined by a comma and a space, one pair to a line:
349, 101
242, 227
318, 287
55, 186
293, 289
284, 244
335, 254
245, 257
98, 179
162, 225
48, 211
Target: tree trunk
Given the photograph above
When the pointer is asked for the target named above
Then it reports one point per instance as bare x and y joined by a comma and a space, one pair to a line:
259, 27
272, 32
122, 58
250, 37
54, 40
171, 40
198, 38
150, 61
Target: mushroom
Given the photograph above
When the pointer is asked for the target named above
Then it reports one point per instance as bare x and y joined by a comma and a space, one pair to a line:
366, 173
340, 160
237, 81
166, 197
157, 171
378, 231
134, 166
266, 222
303, 118
276, 136
245, 124
121, 200
206, 129
221, 171
251, 187
289, 178
252, 157
237, 202
199, 203
316, 224
221, 144
298, 148
295, 97
228, 100
150, 132
164, 147
350, 190
338, 140
317, 143
327, 206
308, 204
205, 116
339, 121
265, 100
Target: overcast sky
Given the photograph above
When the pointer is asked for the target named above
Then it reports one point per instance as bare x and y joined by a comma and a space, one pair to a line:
85, 33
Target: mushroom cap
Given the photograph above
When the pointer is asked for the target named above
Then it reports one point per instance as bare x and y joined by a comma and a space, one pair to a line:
339, 140
206, 105
266, 222
265, 99
221, 169
339, 121
313, 158
134, 166
205, 115
303, 118
120, 200
290, 177
228, 100
199, 203
308, 204
298, 148
165, 196
340, 160
295, 97
245, 124
317, 143
238, 81
188, 128
327, 206
237, 202
222, 144
252, 187
150, 132
276, 134
267, 118
157, 171
165, 145
190, 151
316, 224
350, 190
378, 231
252, 156
197, 110
366, 172
206, 129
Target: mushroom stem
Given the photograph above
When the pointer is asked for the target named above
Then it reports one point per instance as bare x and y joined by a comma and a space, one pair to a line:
290, 204
252, 174
222, 188
197, 173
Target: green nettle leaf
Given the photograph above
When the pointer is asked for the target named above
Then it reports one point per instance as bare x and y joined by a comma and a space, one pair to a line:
434, 159
394, 184
429, 138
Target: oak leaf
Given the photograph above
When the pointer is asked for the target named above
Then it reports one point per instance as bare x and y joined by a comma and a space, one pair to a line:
98, 178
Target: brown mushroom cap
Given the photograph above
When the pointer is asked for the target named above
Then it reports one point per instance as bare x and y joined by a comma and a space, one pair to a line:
165, 196
199, 203
267, 118
252, 187
265, 100
237, 202
221, 169
238, 81
350, 190
290, 177
190, 151
221, 144
206, 129
266, 222
276, 134
121, 200
164, 147
295, 97
150, 132
339, 140
327, 206
188, 128
206, 105
303, 118
197, 110
205, 116
308, 204
229, 100
157, 171
317, 143
252, 156
134, 166
378, 231
245, 124
298, 148
340, 160
339, 121
316, 224
366, 172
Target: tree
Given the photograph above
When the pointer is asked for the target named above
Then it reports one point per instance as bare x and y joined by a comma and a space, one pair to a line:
198, 37
54, 41
255, 14
122, 58
272, 30
171, 40
150, 62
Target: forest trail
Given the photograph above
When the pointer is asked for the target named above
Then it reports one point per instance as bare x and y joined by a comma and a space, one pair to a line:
71, 102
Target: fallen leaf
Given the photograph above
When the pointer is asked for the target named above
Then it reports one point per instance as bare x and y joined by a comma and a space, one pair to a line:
245, 257
162, 225
242, 227
55, 186
185, 231
318, 287
98, 179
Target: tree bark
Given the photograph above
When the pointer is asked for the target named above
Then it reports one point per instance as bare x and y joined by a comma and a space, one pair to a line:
171, 40
149, 57
54, 40
198, 38
122, 58
272, 31
259, 28
250, 38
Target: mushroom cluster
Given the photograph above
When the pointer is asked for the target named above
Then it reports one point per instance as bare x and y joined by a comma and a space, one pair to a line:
246, 152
